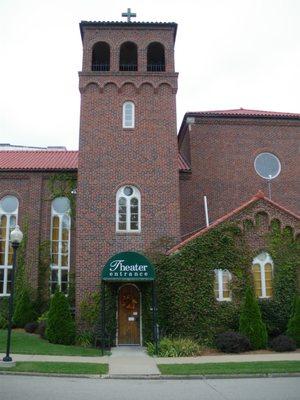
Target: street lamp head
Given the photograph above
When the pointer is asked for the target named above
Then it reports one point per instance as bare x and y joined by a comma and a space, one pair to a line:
16, 235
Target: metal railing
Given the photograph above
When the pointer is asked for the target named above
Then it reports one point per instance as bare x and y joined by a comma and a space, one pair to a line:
100, 67
128, 67
156, 67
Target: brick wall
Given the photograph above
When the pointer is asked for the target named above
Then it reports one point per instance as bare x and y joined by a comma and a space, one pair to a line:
111, 157
222, 161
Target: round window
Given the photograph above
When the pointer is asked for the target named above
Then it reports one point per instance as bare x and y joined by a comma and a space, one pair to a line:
267, 165
9, 204
61, 205
128, 191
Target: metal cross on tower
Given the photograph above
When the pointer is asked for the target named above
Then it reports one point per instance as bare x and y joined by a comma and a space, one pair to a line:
129, 14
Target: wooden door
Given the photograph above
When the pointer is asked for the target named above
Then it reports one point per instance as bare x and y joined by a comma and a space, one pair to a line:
129, 315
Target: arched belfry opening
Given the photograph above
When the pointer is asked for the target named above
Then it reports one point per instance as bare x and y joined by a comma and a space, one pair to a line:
128, 57
156, 57
101, 57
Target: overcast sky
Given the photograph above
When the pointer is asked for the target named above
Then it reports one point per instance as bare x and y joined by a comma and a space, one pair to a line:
229, 54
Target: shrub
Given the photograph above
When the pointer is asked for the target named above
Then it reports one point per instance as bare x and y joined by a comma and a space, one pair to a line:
3, 313
232, 342
60, 325
180, 347
24, 311
293, 329
42, 321
31, 327
251, 324
84, 339
283, 343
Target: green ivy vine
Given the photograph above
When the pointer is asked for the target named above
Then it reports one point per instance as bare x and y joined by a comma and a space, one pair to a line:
64, 185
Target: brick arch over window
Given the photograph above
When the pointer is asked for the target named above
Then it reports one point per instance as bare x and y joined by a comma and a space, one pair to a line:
101, 57
156, 57
128, 57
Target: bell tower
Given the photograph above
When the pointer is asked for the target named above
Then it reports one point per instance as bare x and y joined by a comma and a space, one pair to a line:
128, 184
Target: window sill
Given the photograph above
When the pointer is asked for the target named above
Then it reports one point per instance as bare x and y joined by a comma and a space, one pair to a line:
226, 300
4, 295
121, 233
128, 129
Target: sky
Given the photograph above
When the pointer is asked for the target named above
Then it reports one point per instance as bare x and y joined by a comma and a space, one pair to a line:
229, 54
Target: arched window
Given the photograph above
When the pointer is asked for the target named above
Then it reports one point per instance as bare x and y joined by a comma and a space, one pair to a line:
9, 206
128, 114
128, 209
60, 244
222, 285
262, 269
101, 57
128, 57
156, 57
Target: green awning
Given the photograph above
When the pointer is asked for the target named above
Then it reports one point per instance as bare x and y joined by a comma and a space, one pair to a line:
128, 266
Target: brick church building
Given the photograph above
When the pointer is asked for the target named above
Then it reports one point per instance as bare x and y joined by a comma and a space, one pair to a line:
135, 179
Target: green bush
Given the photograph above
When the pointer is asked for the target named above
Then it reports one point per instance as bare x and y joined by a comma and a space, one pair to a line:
3, 313
293, 329
180, 347
84, 339
24, 310
251, 324
60, 324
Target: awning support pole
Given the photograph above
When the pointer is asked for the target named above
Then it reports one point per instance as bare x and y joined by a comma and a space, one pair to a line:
154, 316
102, 317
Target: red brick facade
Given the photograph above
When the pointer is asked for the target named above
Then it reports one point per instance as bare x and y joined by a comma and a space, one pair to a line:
219, 150
111, 157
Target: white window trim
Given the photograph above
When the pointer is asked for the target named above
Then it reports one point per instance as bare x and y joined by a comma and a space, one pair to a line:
268, 260
219, 273
136, 193
59, 268
132, 115
7, 267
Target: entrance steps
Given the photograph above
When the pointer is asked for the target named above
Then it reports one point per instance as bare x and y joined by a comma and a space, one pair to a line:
132, 361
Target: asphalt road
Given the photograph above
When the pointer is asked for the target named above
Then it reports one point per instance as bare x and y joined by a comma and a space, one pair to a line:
15, 387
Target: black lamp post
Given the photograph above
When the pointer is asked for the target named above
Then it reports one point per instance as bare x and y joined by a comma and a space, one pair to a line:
16, 237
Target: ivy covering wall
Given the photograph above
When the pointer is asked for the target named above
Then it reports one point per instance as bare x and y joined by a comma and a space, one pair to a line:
187, 306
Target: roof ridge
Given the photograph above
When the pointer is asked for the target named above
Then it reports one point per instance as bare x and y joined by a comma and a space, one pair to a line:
258, 196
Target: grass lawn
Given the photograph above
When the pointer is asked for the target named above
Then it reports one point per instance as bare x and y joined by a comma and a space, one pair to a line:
261, 367
27, 343
59, 368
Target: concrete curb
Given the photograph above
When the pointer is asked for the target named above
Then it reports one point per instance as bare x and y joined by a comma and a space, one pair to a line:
157, 377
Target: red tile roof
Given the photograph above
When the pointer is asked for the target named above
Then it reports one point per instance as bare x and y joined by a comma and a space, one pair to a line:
202, 231
243, 112
38, 160
50, 160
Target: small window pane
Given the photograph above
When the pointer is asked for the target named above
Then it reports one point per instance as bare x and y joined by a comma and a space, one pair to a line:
257, 279
12, 222
267, 165
2, 246
9, 204
2, 258
64, 260
268, 278
134, 226
61, 205
122, 226
8, 287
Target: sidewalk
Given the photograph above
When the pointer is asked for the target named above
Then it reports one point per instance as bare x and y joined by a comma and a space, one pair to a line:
77, 359
127, 360
293, 356
131, 360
